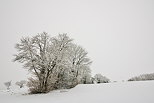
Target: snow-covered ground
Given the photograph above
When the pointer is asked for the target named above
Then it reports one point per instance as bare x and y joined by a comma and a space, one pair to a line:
120, 92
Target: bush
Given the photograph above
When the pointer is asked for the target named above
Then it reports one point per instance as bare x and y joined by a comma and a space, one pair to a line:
101, 79
34, 86
21, 83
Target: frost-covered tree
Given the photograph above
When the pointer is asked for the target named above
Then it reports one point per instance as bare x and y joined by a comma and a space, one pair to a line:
77, 67
101, 79
79, 63
86, 76
54, 61
21, 83
8, 84
86, 79
143, 77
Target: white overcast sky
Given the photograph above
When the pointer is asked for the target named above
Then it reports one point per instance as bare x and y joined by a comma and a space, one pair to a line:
118, 34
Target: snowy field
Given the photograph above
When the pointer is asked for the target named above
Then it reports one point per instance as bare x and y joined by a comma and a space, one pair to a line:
122, 92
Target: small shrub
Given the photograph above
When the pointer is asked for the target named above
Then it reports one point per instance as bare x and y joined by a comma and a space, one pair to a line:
8, 84
21, 83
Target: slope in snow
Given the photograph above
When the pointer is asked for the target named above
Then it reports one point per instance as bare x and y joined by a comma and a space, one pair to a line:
126, 92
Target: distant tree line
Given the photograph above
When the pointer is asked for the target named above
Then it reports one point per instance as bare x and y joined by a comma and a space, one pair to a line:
142, 77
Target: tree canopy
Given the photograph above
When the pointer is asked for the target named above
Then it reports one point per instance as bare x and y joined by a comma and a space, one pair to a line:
55, 62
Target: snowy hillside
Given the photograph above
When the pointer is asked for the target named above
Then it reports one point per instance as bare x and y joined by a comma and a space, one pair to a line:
123, 92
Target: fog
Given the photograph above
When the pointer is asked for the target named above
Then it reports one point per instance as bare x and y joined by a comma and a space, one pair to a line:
118, 34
